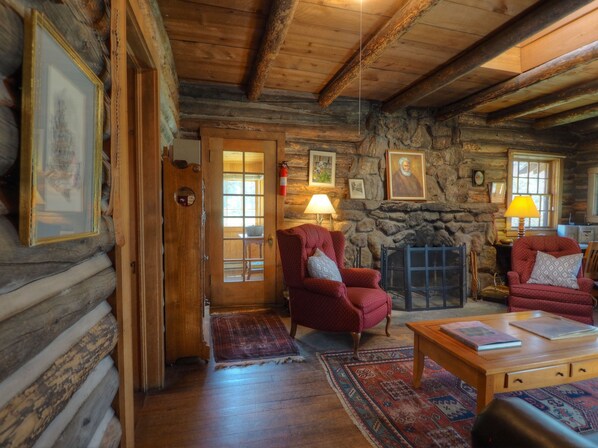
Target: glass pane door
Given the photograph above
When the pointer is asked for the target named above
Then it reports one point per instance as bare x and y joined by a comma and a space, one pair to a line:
243, 216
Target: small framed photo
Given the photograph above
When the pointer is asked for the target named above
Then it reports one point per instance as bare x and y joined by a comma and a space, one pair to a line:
406, 175
356, 189
61, 139
498, 192
322, 167
478, 178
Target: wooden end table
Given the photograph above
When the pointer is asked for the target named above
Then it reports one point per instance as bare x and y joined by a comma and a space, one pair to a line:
538, 362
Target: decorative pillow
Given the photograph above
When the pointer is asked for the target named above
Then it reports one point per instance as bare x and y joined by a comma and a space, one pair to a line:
320, 266
561, 271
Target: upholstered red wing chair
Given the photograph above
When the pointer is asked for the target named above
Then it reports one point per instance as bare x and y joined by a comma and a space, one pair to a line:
576, 304
352, 305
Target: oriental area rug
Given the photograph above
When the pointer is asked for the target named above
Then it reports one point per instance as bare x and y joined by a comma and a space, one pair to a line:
246, 338
378, 394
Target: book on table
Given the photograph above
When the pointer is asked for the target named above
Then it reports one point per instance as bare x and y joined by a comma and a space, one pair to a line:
556, 327
479, 336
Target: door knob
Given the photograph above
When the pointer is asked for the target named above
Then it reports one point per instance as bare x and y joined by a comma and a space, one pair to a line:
270, 240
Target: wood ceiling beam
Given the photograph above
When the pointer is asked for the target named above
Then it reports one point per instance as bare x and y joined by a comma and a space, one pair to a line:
557, 66
277, 26
544, 102
568, 116
399, 24
525, 25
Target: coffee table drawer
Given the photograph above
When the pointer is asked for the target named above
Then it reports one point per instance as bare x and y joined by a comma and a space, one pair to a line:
584, 369
529, 379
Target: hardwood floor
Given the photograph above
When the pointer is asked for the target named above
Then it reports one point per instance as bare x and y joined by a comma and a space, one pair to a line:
269, 405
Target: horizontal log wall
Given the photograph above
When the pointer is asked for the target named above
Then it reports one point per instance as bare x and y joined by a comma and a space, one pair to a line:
452, 148
57, 331
587, 157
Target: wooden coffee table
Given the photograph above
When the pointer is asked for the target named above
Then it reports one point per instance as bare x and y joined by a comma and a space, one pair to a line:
539, 362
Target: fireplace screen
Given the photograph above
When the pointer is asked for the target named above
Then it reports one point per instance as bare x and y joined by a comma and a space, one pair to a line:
424, 278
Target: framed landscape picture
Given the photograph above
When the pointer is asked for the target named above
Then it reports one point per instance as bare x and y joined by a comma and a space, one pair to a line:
322, 167
406, 175
61, 139
356, 189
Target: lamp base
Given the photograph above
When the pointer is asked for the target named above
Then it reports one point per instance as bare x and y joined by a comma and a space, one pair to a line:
521, 229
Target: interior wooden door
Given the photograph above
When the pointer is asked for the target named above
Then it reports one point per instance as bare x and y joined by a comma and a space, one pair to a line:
242, 219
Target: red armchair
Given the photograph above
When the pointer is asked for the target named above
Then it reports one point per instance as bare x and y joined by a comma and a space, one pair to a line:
353, 305
576, 304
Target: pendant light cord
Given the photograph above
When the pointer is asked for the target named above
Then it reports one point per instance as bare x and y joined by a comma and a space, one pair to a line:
359, 87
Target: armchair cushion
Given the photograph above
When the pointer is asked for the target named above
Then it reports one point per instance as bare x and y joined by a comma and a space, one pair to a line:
320, 266
561, 271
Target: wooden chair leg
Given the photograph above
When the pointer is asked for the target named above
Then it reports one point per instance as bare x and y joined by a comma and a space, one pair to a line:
356, 337
388, 325
293, 329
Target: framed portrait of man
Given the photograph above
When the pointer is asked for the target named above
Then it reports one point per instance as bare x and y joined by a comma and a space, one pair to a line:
406, 175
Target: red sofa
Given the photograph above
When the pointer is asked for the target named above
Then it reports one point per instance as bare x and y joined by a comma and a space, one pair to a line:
576, 304
353, 305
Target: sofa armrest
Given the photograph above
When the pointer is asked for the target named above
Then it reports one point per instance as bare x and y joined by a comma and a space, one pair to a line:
511, 423
325, 287
361, 277
513, 278
585, 284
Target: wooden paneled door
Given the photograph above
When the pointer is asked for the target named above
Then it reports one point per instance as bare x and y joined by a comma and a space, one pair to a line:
243, 212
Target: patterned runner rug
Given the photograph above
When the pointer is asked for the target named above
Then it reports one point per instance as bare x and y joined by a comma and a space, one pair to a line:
377, 393
246, 338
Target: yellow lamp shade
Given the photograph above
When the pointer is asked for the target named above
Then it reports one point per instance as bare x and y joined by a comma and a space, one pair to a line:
522, 207
319, 203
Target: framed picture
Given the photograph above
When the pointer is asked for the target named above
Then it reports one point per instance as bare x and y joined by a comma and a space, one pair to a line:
477, 178
61, 139
406, 175
356, 189
498, 191
322, 167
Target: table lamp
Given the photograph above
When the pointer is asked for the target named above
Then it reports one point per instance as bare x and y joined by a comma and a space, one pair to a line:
522, 207
319, 204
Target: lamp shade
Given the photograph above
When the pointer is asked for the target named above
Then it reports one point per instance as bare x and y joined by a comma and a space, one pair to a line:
522, 207
319, 204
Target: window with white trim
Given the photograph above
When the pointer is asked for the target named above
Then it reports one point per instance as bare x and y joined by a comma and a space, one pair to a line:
540, 176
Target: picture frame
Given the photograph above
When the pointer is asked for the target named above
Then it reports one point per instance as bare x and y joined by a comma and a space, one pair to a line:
477, 178
61, 139
498, 192
322, 168
356, 189
406, 175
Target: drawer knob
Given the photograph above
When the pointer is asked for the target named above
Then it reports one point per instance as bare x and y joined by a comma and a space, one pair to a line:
581, 369
560, 374
518, 380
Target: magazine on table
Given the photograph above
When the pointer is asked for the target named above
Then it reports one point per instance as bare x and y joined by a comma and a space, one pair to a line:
480, 336
556, 327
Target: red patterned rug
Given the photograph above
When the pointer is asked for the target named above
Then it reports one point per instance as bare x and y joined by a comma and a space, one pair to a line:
241, 339
377, 393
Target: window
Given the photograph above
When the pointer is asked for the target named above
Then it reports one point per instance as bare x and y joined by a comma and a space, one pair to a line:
540, 176
592, 212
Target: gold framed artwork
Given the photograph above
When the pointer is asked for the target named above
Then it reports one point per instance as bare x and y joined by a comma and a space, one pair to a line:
406, 175
322, 168
356, 189
61, 139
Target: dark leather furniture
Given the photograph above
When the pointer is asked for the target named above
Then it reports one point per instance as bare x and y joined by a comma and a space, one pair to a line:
513, 423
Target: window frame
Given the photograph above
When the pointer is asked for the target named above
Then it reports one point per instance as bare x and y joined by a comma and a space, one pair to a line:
556, 163
592, 204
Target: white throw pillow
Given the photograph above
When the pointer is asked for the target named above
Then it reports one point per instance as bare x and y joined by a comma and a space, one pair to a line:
320, 266
561, 271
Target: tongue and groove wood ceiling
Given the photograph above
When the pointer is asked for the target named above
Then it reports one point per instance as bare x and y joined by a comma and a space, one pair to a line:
506, 58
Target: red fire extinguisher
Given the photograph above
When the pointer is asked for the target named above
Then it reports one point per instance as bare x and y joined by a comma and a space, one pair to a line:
283, 174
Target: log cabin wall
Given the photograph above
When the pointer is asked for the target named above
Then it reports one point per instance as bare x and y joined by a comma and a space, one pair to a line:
587, 157
57, 327
455, 211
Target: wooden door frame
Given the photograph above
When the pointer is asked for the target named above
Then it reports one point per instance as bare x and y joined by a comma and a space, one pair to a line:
280, 138
128, 33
